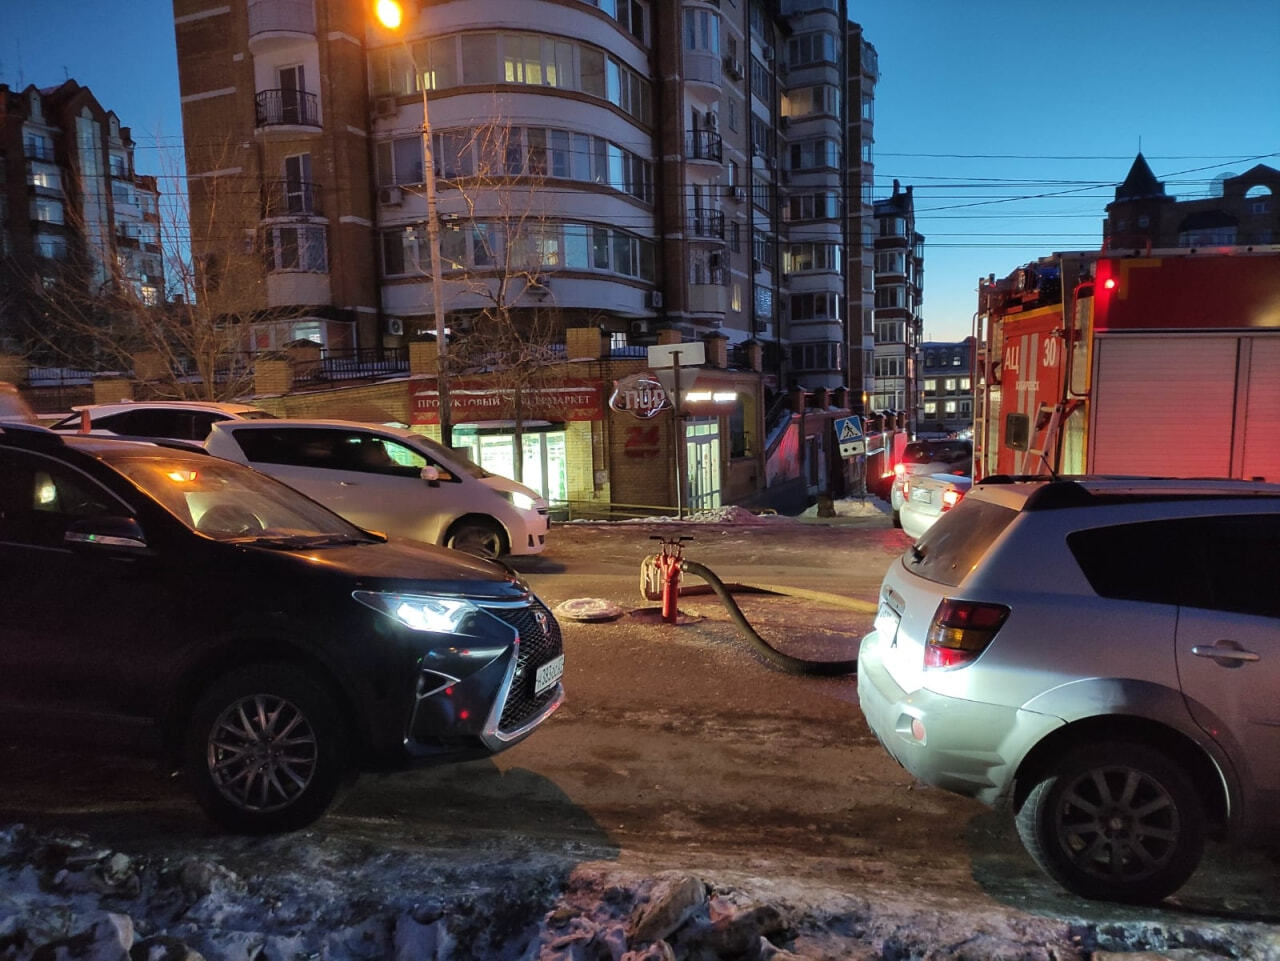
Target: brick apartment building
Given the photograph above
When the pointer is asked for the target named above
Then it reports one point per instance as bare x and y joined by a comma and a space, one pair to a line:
946, 386
72, 207
899, 297
1243, 209
687, 171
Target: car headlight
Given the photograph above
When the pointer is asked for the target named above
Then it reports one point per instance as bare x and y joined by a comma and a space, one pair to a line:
422, 612
521, 502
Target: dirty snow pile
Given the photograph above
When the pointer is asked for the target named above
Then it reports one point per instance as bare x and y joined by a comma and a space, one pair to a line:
307, 897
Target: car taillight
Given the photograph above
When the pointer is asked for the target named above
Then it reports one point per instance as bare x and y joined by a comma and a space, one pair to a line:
950, 498
906, 487
961, 630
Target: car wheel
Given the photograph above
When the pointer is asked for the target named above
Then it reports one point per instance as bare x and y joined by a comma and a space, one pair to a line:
266, 749
1117, 822
477, 537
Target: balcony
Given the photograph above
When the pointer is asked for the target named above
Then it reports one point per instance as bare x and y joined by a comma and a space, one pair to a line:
280, 23
291, 199
286, 108
702, 66
705, 145
706, 224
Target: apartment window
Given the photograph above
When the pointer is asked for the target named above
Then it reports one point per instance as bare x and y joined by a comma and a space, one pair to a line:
799, 258
949, 384
810, 48
891, 296
46, 210
760, 78
807, 101
820, 305
296, 248
823, 355
930, 408
891, 332
762, 249
399, 161
891, 261
702, 30
810, 154
930, 385
891, 366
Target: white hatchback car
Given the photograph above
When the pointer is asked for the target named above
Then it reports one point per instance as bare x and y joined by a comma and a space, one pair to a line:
392, 480
165, 419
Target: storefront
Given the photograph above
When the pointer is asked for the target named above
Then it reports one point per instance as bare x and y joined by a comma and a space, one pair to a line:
484, 426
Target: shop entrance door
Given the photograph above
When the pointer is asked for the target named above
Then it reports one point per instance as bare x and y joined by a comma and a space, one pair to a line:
702, 452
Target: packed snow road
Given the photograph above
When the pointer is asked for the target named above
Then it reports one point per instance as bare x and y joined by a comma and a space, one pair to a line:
688, 801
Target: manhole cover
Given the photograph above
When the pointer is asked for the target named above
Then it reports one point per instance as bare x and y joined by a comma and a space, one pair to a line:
589, 609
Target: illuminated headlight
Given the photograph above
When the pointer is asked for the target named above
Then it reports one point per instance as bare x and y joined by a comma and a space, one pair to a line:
420, 612
521, 502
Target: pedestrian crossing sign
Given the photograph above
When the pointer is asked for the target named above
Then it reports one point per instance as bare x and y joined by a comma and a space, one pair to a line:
849, 436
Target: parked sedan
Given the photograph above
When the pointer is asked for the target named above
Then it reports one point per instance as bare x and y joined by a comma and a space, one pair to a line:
257, 640
926, 497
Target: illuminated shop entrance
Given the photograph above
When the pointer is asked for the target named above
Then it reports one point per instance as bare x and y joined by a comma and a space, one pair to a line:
545, 461
702, 452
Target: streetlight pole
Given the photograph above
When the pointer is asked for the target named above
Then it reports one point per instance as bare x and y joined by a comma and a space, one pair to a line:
390, 15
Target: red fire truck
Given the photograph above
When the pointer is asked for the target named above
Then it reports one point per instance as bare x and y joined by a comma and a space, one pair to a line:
1159, 363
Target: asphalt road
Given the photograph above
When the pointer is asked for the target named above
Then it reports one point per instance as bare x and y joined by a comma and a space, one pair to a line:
679, 748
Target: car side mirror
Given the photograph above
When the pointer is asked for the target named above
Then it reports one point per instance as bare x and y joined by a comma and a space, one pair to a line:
431, 474
94, 532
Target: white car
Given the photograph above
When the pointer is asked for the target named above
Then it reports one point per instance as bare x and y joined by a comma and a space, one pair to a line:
166, 419
928, 457
926, 497
391, 480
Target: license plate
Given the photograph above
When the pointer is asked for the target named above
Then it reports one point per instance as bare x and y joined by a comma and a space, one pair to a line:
921, 496
887, 621
548, 674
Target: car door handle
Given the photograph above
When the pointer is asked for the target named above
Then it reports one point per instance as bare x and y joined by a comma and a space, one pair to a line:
348, 483
1231, 656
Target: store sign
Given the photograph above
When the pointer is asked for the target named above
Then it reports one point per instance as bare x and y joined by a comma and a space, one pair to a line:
472, 400
640, 395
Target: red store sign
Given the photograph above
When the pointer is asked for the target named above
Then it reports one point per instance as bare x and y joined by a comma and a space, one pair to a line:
472, 400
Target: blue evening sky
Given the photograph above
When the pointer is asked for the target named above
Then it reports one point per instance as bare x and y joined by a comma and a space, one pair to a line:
1012, 121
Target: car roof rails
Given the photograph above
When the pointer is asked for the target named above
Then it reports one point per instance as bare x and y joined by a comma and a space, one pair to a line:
19, 434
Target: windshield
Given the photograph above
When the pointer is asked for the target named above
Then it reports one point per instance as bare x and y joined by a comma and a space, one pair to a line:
227, 501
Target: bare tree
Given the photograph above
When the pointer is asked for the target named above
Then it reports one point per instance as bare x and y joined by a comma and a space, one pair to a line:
146, 304
501, 248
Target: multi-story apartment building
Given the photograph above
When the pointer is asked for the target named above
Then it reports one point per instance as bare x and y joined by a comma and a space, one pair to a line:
72, 207
677, 168
671, 163
946, 373
1243, 210
899, 296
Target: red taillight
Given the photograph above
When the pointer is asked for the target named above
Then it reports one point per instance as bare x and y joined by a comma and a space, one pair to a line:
950, 498
961, 630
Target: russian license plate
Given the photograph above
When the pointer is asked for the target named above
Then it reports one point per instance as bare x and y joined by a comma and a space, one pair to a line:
921, 496
548, 674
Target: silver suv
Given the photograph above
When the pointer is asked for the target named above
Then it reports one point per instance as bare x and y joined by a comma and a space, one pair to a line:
1101, 653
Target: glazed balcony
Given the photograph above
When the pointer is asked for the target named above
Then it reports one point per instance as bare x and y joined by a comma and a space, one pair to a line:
280, 23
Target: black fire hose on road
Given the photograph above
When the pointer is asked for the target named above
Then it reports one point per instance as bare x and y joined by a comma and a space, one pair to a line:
792, 665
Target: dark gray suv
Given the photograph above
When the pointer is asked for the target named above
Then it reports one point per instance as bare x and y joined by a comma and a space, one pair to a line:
1104, 655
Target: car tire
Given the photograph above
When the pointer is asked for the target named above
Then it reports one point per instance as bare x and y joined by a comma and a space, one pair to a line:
1116, 822
241, 770
482, 538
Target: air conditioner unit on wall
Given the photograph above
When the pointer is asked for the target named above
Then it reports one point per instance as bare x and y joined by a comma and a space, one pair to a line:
767, 52
655, 299
395, 326
638, 327
390, 196
739, 193
384, 106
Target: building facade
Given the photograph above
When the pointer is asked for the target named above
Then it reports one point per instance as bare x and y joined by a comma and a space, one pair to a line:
1242, 210
677, 168
72, 207
946, 392
899, 299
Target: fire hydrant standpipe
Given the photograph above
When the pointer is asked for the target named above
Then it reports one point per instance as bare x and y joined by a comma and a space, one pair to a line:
669, 564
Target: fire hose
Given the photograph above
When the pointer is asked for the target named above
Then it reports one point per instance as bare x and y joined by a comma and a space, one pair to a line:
667, 567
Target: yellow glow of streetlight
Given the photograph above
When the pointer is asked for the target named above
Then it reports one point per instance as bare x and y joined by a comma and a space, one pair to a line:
389, 13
